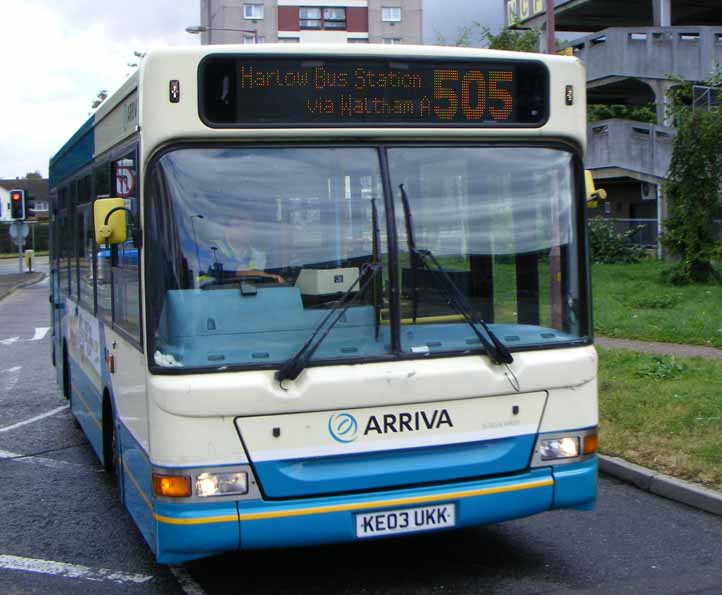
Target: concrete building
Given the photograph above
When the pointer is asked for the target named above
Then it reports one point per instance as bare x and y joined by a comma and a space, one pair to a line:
632, 48
314, 21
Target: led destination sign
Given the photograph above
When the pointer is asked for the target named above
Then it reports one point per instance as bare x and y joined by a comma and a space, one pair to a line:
262, 92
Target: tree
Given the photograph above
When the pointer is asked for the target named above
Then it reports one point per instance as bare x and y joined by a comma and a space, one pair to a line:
506, 39
510, 39
34, 175
693, 187
638, 113
99, 98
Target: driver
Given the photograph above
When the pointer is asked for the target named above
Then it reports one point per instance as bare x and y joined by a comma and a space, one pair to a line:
238, 251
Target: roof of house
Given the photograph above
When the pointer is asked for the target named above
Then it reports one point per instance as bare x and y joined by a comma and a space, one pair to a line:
34, 189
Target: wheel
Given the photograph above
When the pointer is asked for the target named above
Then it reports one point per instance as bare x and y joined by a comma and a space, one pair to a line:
111, 444
66, 374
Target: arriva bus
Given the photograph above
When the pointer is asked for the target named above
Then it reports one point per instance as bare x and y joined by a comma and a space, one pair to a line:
317, 294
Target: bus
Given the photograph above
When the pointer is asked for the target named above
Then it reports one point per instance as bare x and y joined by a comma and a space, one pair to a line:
319, 293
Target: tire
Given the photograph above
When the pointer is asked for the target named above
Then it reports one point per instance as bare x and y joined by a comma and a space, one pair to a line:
111, 445
67, 385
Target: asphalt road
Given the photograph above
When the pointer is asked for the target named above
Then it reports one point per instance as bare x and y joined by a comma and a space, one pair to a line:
62, 529
10, 265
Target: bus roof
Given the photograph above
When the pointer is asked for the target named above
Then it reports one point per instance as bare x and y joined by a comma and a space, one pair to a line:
148, 87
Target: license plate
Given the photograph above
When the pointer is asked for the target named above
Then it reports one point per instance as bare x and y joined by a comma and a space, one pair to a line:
405, 520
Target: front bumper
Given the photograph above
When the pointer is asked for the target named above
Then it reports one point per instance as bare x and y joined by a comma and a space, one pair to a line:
186, 532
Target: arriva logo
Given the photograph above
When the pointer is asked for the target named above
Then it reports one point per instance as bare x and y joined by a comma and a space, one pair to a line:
343, 427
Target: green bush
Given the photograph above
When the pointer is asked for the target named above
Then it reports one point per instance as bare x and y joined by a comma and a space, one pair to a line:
687, 272
661, 368
693, 189
609, 247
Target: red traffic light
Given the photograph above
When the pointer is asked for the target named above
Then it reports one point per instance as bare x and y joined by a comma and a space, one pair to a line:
17, 205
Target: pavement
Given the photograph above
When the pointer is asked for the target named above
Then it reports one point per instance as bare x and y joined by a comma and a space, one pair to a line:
12, 281
656, 348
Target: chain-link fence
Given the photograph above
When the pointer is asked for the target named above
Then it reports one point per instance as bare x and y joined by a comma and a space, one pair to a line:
37, 238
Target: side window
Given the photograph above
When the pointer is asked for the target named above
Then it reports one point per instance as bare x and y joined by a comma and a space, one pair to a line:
101, 176
62, 241
85, 244
126, 269
71, 239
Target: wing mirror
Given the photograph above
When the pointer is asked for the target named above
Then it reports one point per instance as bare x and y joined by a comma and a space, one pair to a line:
109, 217
593, 195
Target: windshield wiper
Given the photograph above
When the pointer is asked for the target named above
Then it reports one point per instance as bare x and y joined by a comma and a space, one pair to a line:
378, 285
454, 297
298, 362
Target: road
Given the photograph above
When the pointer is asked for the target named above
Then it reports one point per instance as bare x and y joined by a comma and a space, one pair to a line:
9, 266
64, 531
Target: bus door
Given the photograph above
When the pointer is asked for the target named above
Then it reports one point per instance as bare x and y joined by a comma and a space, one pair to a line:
59, 276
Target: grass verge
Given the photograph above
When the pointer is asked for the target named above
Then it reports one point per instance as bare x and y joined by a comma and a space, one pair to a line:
664, 413
631, 302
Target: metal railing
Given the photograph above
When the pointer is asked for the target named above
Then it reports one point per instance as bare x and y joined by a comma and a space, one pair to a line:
634, 146
650, 52
37, 238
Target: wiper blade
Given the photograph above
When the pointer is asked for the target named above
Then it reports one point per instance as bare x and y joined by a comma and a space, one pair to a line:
293, 367
498, 352
378, 284
413, 257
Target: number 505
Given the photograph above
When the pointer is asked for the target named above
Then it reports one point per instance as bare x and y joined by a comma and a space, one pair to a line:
477, 93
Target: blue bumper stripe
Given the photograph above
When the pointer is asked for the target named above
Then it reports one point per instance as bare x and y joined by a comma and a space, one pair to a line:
365, 471
189, 531
333, 520
575, 485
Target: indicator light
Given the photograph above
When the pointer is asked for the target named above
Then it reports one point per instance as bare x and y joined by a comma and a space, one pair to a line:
172, 486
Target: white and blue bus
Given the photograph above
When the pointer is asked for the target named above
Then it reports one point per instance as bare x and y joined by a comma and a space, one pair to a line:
317, 294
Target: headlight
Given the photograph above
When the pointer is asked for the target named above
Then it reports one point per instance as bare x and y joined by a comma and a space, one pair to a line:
221, 484
559, 448
564, 447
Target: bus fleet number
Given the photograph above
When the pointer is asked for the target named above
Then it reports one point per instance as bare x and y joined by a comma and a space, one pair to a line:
476, 94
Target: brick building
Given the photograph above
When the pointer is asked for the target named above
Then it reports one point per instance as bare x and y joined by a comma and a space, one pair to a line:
316, 21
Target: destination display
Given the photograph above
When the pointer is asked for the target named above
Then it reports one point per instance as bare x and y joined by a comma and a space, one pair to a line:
250, 92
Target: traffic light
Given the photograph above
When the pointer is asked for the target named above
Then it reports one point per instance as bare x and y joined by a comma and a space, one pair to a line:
17, 205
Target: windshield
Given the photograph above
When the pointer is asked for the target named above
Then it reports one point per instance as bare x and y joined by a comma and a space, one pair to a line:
501, 223
249, 248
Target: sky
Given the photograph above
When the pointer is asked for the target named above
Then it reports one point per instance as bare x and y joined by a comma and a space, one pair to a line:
55, 56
